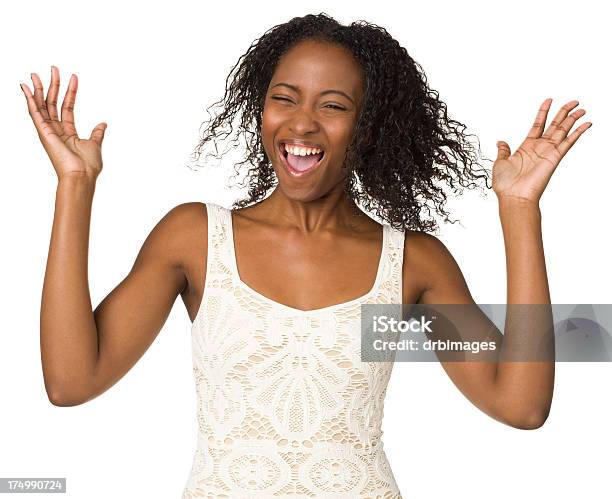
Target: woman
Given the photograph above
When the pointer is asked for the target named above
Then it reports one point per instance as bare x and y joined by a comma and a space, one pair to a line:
336, 115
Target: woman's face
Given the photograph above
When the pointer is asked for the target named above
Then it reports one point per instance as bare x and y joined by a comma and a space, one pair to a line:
310, 112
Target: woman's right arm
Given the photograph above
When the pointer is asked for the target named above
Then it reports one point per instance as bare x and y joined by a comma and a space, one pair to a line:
84, 352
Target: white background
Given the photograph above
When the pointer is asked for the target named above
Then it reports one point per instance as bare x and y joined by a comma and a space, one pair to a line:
149, 70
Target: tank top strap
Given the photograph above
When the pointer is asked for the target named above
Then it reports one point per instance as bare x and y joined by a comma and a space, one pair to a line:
218, 265
394, 262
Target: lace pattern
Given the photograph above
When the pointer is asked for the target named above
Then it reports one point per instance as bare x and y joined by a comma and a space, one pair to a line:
286, 407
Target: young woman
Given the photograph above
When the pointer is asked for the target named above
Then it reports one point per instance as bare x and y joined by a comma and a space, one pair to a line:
333, 116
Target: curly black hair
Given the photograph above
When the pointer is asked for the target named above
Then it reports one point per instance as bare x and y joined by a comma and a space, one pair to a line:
404, 142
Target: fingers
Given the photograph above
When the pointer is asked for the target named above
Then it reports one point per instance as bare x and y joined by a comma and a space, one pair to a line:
52, 94
538, 125
44, 111
566, 125
572, 138
97, 134
503, 150
558, 119
33, 108
68, 106
39, 95
43, 127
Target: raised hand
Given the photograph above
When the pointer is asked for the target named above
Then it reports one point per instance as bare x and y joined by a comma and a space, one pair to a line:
525, 174
70, 155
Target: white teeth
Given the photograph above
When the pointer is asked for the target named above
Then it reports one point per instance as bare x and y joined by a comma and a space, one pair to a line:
301, 151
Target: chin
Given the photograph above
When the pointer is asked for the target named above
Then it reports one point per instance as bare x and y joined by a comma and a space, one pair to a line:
301, 193
305, 192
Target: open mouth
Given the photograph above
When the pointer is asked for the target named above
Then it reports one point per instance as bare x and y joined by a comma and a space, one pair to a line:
300, 160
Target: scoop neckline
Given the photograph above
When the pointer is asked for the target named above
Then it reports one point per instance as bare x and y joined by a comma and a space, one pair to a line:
238, 280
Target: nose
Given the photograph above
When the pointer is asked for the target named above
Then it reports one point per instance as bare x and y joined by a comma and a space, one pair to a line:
303, 122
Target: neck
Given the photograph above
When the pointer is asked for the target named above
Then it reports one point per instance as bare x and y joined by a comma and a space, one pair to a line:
333, 210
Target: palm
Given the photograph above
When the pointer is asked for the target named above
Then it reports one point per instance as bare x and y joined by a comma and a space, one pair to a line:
68, 153
525, 173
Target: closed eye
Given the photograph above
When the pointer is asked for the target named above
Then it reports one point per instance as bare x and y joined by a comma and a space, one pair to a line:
332, 106
281, 98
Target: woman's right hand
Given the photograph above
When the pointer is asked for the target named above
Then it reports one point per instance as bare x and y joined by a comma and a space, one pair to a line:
70, 155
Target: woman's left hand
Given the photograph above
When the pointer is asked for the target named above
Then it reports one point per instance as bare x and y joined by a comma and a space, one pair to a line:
525, 174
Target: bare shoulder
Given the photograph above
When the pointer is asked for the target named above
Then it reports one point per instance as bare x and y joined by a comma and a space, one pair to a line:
186, 234
187, 220
188, 212
180, 228
429, 265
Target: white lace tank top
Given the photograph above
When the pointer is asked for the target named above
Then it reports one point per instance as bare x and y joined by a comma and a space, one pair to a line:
285, 406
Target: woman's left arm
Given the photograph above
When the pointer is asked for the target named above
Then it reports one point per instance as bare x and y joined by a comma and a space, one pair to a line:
519, 180
519, 393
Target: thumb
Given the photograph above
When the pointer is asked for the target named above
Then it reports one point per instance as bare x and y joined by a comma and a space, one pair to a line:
503, 150
97, 134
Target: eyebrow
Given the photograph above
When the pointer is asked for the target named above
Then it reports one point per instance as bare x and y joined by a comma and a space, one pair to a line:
325, 92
